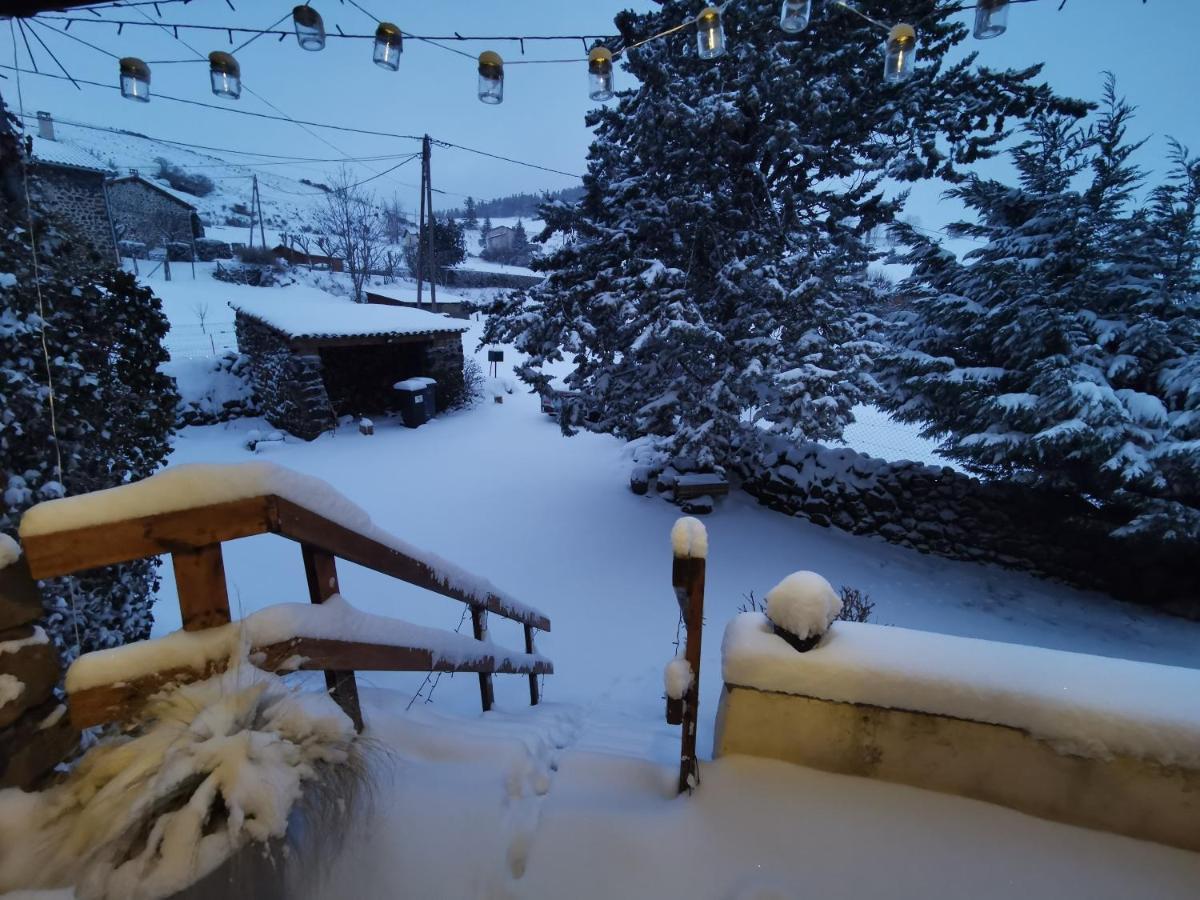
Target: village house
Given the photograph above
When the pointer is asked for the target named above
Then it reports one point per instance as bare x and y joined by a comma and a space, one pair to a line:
71, 183
500, 238
151, 214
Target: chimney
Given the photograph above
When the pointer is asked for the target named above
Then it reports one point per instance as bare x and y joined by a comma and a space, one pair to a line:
45, 126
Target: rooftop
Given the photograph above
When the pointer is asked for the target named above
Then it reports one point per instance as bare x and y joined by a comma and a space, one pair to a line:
57, 153
175, 195
314, 319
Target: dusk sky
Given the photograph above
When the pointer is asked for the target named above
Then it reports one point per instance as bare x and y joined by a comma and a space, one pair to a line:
1150, 47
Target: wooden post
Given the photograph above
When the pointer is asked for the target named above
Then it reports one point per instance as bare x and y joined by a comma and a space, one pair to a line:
200, 583
427, 150
479, 628
534, 694
320, 568
687, 577
421, 221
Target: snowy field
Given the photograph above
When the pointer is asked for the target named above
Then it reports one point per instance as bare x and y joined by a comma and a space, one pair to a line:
574, 798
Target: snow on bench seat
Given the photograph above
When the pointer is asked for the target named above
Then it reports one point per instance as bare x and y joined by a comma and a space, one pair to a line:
197, 485
1084, 705
333, 620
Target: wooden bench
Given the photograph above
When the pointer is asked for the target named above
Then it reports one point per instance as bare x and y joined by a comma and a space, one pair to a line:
706, 484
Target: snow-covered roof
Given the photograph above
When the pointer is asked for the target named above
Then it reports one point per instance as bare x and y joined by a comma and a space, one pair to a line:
407, 294
335, 318
57, 153
161, 188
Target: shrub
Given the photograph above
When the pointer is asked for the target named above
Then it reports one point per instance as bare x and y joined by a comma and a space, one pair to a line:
259, 256
209, 249
190, 183
856, 605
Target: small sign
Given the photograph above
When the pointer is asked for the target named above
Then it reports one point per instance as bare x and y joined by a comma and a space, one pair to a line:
495, 356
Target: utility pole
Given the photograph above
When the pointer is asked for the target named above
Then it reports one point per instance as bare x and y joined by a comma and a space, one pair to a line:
425, 253
256, 210
421, 219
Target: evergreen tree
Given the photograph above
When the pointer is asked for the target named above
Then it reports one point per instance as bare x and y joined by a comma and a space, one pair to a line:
114, 410
1065, 349
715, 288
449, 249
483, 233
470, 218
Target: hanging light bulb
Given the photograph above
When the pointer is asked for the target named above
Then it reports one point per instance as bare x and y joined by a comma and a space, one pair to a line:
491, 77
991, 18
310, 30
710, 36
226, 74
899, 53
135, 79
600, 74
389, 44
793, 17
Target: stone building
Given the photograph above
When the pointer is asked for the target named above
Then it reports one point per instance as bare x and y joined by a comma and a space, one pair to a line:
312, 361
71, 185
500, 238
151, 214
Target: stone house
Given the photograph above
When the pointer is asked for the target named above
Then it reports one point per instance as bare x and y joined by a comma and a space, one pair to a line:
151, 214
71, 183
500, 238
311, 361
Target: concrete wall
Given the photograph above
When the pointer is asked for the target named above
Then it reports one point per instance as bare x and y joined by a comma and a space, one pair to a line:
78, 198
987, 762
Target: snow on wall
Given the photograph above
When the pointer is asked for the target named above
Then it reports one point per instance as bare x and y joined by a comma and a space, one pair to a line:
201, 484
1087, 705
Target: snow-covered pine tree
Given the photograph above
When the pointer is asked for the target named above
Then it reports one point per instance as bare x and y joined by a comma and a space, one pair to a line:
114, 410
483, 232
715, 285
470, 216
1065, 350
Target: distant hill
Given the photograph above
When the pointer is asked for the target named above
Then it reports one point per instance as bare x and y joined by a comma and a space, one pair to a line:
516, 205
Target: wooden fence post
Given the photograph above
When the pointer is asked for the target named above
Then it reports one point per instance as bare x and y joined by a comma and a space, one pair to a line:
534, 694
200, 583
320, 568
687, 577
479, 628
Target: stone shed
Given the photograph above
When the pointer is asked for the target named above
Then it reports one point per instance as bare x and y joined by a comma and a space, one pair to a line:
151, 214
71, 183
312, 361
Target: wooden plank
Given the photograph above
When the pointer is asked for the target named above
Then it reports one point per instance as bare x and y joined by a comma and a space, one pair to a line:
687, 577
305, 526
534, 693
200, 584
487, 696
121, 700
78, 549
320, 569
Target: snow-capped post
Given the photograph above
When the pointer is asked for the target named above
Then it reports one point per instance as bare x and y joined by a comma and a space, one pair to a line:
689, 543
320, 570
801, 608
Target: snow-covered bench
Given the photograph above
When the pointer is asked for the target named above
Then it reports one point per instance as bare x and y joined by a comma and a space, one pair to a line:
188, 511
1104, 743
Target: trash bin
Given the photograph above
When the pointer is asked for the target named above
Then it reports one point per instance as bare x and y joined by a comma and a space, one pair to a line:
418, 400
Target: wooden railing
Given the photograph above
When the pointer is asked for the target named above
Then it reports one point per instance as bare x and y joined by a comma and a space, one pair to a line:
193, 538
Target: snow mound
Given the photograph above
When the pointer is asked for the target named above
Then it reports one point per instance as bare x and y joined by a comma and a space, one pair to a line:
221, 766
678, 678
1092, 706
804, 604
10, 550
689, 538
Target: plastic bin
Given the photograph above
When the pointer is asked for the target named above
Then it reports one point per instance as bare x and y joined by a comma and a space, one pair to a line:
418, 400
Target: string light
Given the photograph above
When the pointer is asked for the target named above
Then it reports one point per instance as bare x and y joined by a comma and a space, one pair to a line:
226, 74
310, 29
899, 53
600, 74
491, 77
794, 15
991, 19
135, 79
710, 36
389, 44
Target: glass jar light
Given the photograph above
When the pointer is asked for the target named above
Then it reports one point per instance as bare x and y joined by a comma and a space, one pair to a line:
991, 19
710, 36
794, 16
491, 77
899, 53
135, 79
389, 44
226, 74
600, 74
310, 30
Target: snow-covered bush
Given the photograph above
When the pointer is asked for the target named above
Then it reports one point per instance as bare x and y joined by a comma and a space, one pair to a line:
113, 410
217, 765
802, 607
193, 183
474, 384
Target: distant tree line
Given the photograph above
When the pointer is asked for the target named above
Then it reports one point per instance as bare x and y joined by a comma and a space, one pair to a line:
513, 205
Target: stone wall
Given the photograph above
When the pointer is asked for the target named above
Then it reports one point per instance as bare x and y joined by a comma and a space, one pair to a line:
444, 362
35, 732
289, 386
939, 510
78, 198
477, 278
141, 213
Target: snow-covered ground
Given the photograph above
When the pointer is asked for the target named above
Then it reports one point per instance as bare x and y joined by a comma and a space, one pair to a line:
574, 798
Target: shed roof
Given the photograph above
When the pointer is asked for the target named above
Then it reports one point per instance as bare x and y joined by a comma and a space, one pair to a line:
311, 319
153, 185
56, 153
